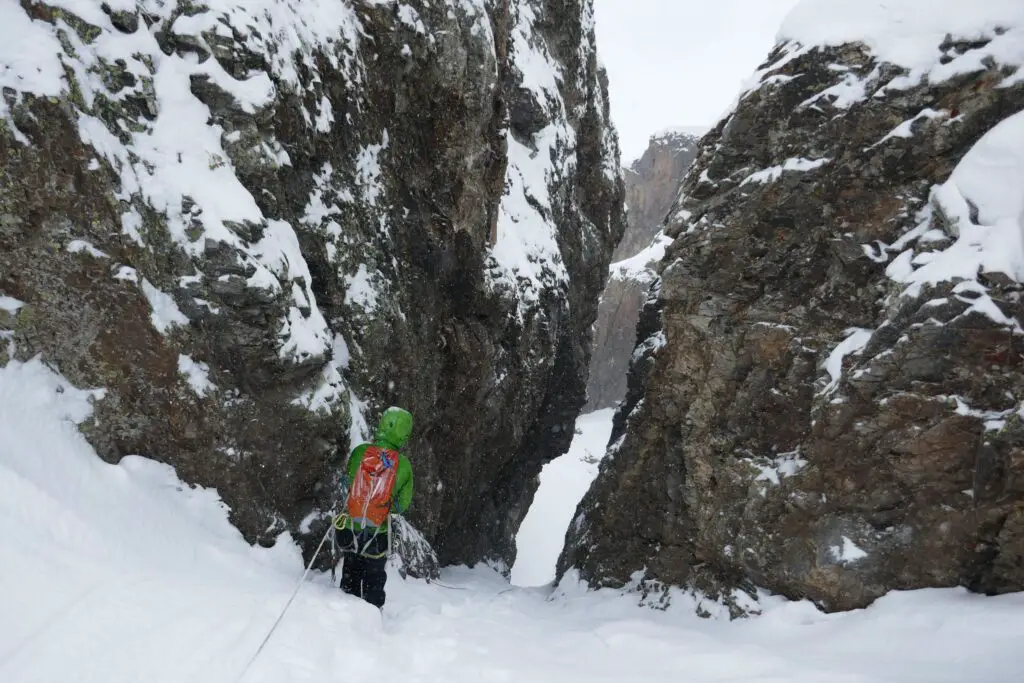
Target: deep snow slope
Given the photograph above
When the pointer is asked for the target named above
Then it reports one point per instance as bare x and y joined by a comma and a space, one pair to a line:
257, 223
827, 397
563, 481
123, 573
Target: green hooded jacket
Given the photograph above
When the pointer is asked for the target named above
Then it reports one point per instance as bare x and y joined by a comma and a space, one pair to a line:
393, 432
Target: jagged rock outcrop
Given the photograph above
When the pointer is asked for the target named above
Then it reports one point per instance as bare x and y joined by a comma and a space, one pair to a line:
255, 225
827, 398
652, 183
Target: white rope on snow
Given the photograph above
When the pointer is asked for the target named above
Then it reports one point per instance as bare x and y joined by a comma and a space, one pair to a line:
288, 604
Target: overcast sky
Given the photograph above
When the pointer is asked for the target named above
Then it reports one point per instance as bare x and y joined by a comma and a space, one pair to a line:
680, 62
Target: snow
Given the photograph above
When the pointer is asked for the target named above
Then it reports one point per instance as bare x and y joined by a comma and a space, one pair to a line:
991, 175
126, 273
411, 18
563, 481
850, 90
856, 339
526, 255
123, 573
359, 428
196, 374
28, 57
80, 246
368, 173
332, 386
280, 256
847, 552
656, 341
760, 78
906, 129
993, 420
777, 468
10, 304
174, 160
526, 246
360, 289
983, 203
317, 212
770, 175
908, 33
671, 131
165, 313
637, 267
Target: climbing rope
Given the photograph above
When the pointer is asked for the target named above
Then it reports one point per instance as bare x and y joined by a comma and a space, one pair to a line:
432, 582
288, 604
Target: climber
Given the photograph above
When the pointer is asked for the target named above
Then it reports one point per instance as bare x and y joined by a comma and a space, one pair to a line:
379, 483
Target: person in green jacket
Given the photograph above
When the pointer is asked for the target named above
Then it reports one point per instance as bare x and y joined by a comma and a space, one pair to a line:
362, 531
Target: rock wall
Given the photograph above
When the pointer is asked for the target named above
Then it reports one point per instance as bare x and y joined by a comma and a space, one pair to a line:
254, 225
828, 396
652, 183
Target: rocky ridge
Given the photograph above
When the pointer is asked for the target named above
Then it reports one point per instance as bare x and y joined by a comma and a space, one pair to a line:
253, 225
827, 398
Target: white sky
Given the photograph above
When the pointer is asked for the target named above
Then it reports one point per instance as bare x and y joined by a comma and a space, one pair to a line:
680, 62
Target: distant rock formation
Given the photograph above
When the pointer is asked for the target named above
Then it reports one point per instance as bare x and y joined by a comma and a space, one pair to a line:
652, 184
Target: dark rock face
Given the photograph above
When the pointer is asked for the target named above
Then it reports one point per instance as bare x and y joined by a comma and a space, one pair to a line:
807, 411
257, 232
652, 185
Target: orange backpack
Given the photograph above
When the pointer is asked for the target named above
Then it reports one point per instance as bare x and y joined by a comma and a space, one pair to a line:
369, 499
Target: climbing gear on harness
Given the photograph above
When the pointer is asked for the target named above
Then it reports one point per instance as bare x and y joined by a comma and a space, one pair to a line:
362, 540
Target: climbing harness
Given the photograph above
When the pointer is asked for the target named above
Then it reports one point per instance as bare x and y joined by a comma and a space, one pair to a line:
339, 523
286, 606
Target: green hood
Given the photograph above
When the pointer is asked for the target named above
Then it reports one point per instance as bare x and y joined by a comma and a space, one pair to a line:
395, 428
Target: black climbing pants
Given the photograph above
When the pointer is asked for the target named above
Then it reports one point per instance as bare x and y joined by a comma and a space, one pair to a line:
363, 576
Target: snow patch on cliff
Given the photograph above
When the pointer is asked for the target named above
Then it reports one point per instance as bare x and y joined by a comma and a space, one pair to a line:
796, 165
982, 207
172, 161
526, 255
638, 267
912, 33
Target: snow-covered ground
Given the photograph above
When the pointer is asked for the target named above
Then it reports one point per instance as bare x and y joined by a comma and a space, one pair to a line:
122, 574
563, 482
